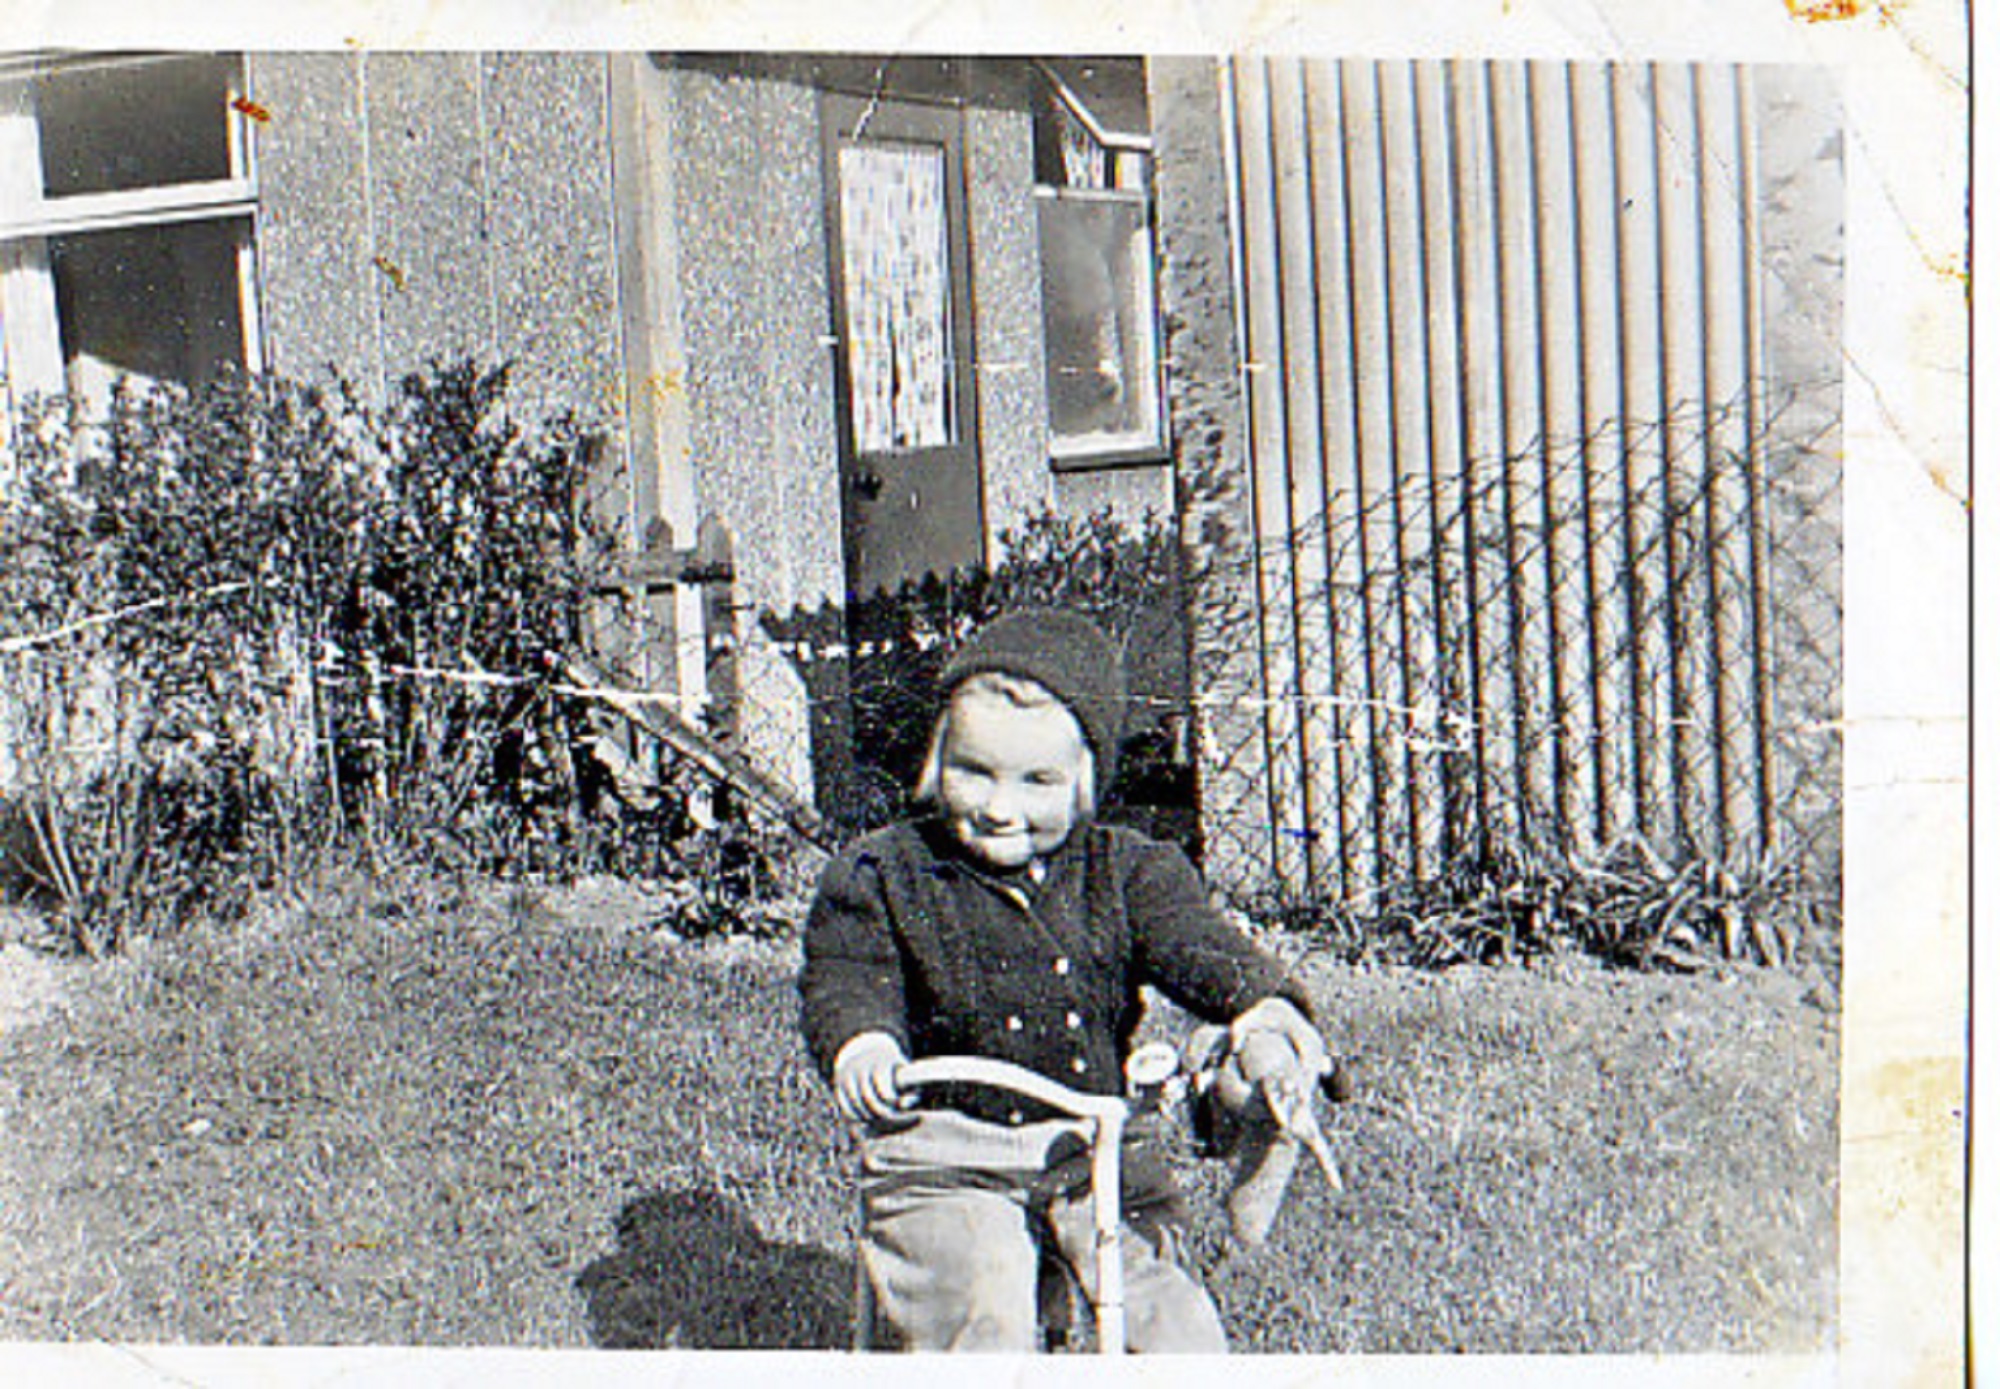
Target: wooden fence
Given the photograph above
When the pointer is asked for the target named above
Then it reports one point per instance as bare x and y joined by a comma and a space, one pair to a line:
1545, 514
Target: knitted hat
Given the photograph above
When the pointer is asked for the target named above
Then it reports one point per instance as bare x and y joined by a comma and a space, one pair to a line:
1066, 655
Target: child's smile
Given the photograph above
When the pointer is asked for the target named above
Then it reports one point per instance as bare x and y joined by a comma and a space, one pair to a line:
1008, 778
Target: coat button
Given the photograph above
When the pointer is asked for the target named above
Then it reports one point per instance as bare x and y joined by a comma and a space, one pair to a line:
1073, 1020
1079, 1065
1062, 964
1013, 1024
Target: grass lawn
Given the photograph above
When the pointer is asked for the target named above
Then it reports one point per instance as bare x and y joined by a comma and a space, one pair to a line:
448, 1117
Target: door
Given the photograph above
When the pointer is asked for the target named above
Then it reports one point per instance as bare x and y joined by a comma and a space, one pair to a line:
902, 316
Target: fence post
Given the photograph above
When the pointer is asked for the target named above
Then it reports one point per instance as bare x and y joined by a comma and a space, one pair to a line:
712, 567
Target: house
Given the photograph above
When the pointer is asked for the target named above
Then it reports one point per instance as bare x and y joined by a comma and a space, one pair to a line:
1436, 365
804, 292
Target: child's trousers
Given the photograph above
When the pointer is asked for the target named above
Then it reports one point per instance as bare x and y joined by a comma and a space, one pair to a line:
950, 1242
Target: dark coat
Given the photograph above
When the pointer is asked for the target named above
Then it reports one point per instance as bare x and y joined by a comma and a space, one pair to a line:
908, 936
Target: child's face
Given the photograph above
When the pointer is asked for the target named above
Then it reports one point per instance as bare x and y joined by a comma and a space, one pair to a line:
1007, 777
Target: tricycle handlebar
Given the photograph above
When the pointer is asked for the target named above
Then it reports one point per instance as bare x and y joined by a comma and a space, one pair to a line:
1104, 1118
1005, 1075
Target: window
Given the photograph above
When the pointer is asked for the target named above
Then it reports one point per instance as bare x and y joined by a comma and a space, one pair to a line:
1099, 313
896, 278
126, 215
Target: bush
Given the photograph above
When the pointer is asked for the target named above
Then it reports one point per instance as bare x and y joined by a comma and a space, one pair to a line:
254, 618
877, 661
1626, 905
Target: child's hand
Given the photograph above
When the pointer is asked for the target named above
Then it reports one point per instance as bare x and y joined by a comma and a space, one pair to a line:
864, 1077
1272, 1038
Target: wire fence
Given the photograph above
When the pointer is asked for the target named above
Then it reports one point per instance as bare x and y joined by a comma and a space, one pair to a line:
1634, 634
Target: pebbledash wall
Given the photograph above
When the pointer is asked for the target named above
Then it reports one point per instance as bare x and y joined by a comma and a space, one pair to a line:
646, 242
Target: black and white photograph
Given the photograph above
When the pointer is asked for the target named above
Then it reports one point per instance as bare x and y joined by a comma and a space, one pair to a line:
1290, 685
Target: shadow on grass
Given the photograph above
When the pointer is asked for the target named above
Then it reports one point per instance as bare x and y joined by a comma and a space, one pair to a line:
693, 1271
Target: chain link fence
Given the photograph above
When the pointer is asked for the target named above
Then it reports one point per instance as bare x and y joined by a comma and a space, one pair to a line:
1632, 634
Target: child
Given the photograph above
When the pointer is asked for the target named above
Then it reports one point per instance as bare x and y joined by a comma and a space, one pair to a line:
1008, 923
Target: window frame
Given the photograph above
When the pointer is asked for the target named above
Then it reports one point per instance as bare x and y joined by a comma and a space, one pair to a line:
31, 351
1128, 162
1072, 453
